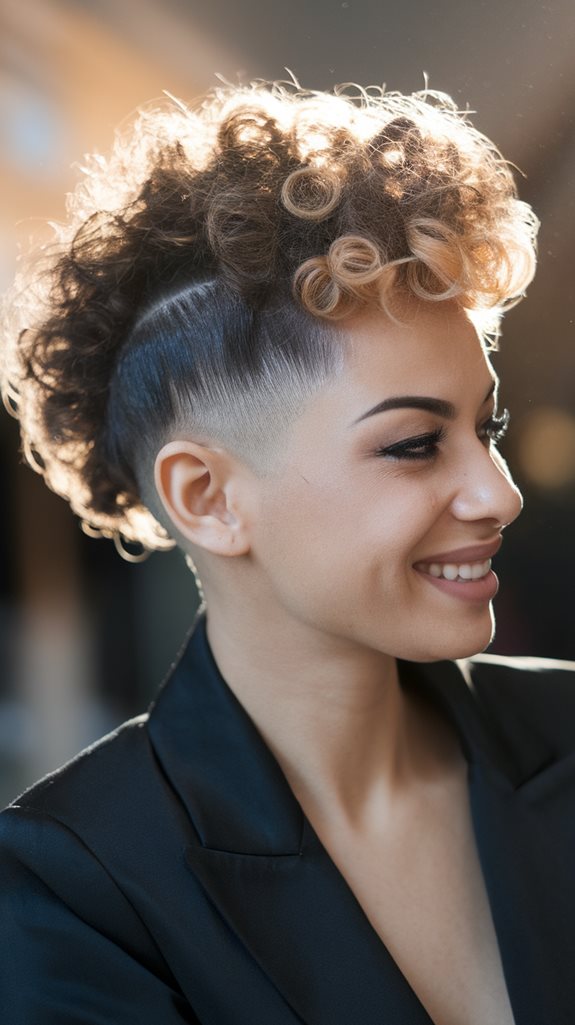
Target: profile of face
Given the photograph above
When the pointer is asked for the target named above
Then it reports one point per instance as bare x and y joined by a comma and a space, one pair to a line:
379, 525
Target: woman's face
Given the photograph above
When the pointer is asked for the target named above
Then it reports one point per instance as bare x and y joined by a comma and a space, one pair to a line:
375, 512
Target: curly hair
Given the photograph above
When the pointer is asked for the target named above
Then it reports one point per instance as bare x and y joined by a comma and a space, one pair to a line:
199, 281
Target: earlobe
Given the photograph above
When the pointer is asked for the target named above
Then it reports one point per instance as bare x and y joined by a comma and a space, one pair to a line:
194, 483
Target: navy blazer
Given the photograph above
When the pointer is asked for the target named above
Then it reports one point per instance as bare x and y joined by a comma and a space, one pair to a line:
169, 875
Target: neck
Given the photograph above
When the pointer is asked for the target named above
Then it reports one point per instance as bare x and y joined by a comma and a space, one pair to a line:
348, 738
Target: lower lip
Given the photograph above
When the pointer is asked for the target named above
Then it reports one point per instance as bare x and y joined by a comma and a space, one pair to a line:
481, 590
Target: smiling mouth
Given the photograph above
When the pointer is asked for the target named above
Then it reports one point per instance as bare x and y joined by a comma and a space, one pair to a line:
463, 572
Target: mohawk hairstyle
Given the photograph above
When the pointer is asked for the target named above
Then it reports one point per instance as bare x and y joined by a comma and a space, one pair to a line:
199, 281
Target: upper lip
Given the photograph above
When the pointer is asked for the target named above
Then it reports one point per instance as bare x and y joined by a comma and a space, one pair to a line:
460, 556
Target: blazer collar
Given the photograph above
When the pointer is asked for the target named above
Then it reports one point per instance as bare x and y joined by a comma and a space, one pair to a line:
226, 776
232, 785
496, 726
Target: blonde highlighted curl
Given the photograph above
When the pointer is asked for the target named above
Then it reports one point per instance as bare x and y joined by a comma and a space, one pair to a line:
347, 199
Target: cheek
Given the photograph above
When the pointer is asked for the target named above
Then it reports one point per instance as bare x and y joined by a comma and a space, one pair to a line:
307, 543
338, 546
302, 527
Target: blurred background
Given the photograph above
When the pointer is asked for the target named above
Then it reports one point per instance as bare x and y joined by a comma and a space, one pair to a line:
85, 637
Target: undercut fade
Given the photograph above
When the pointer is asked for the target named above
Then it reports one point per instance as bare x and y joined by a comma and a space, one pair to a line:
198, 286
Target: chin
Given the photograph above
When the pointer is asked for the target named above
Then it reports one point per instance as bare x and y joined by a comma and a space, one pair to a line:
458, 642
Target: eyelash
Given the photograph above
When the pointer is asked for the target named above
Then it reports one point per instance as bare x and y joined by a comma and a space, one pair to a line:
425, 446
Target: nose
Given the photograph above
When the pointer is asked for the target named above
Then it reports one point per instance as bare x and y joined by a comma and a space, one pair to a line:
487, 490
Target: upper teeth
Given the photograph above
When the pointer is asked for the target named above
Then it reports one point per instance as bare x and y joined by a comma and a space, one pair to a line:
467, 571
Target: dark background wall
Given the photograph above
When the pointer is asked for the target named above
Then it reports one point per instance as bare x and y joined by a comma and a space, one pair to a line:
85, 638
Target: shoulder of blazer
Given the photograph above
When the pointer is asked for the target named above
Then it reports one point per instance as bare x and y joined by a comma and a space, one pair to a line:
118, 769
96, 816
71, 845
114, 787
92, 771
540, 692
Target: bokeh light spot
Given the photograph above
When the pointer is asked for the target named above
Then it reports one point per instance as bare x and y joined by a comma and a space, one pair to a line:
546, 447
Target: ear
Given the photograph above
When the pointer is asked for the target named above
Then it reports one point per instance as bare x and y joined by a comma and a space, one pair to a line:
197, 486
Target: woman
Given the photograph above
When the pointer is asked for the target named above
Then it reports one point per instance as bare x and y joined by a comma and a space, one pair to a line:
265, 338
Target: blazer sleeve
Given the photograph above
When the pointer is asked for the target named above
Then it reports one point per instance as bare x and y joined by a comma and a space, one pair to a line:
72, 947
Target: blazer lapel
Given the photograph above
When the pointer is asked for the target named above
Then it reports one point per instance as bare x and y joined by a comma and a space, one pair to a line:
302, 924
260, 862
267, 874
522, 798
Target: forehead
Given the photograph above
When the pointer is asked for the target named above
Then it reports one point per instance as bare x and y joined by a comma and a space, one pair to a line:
435, 350
437, 340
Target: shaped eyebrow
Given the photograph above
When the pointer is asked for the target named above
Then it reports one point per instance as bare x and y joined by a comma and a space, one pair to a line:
431, 405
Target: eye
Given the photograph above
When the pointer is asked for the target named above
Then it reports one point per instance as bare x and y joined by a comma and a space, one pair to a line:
495, 428
423, 446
